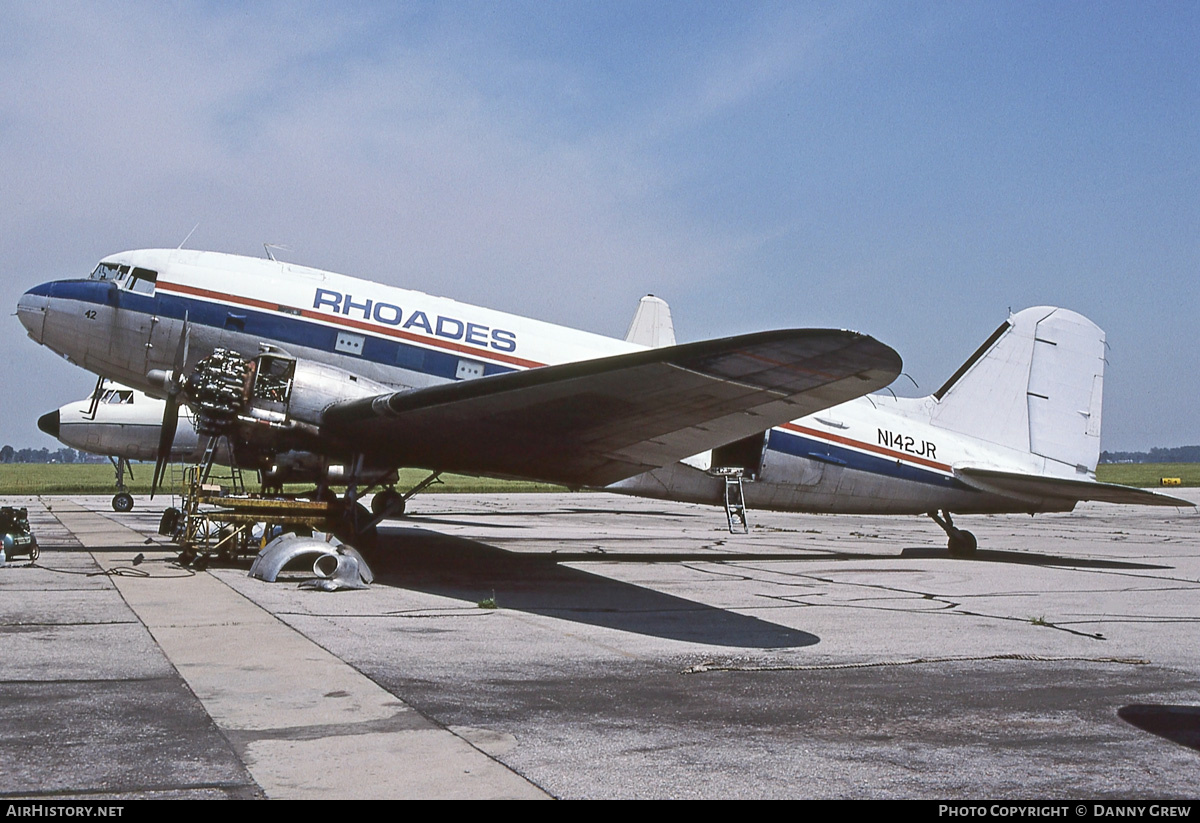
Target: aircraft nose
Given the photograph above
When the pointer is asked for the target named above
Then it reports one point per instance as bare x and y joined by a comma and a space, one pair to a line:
48, 423
31, 309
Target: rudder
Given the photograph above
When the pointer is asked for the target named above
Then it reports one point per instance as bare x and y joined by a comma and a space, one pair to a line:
1035, 385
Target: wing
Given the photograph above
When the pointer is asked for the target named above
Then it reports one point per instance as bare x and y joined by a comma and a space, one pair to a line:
1035, 487
594, 422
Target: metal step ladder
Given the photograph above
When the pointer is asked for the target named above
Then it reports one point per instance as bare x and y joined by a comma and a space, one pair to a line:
735, 504
237, 484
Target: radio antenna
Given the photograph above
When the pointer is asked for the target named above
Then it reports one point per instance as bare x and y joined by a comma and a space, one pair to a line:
189, 236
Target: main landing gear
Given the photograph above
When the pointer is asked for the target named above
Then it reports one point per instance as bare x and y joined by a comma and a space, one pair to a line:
391, 503
122, 501
962, 543
385, 504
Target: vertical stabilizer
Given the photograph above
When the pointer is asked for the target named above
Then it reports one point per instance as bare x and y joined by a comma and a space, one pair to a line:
1035, 385
651, 324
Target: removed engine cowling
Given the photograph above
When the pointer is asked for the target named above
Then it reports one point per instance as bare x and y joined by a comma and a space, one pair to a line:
336, 565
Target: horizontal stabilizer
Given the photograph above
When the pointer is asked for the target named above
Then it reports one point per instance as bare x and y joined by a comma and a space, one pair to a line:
593, 422
1031, 487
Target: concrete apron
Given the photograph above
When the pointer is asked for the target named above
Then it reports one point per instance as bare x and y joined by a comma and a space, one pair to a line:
305, 724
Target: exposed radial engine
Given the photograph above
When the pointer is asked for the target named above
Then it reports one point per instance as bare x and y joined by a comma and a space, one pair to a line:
270, 408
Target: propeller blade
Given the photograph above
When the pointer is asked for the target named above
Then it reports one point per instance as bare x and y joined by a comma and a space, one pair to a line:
181, 351
166, 439
166, 434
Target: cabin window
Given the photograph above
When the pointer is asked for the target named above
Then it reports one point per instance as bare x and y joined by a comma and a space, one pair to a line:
468, 369
349, 343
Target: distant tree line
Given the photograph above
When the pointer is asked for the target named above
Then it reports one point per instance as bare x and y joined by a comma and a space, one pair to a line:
64, 455
1179, 454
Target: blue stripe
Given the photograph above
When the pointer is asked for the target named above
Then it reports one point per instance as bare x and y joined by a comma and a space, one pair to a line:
284, 329
811, 449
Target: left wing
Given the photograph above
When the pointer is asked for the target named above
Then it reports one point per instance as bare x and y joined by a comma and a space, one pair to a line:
594, 422
1036, 487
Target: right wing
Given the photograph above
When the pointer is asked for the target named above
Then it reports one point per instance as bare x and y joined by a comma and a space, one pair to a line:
594, 422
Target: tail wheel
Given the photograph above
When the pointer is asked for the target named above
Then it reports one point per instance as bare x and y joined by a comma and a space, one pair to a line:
962, 543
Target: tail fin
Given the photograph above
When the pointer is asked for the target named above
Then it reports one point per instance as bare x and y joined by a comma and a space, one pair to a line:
652, 324
1034, 385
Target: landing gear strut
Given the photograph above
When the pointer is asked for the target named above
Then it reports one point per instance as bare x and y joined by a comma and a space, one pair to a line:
122, 501
386, 503
961, 543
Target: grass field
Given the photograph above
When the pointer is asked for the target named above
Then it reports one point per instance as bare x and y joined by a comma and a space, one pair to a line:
1147, 475
92, 478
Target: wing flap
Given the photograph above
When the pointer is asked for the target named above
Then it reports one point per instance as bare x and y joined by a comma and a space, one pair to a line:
1036, 487
594, 422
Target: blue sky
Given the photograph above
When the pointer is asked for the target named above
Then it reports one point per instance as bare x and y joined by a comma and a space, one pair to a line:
910, 170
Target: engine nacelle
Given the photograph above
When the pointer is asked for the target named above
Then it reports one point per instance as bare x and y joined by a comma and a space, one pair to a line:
309, 467
272, 403
283, 389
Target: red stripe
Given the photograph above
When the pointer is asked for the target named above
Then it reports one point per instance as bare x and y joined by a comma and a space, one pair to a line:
871, 447
346, 321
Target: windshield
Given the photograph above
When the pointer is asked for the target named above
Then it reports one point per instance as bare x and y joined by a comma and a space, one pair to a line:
109, 271
143, 281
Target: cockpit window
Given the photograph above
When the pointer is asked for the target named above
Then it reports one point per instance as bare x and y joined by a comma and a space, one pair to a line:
142, 281
110, 271
118, 397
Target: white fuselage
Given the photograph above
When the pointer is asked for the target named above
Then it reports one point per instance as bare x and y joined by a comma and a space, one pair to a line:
873, 454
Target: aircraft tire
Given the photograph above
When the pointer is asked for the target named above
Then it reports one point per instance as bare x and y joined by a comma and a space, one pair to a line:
168, 521
347, 531
122, 502
962, 543
390, 501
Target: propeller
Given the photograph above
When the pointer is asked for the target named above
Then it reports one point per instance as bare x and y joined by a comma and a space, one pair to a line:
173, 383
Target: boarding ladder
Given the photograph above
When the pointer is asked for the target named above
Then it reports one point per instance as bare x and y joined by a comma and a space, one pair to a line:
735, 503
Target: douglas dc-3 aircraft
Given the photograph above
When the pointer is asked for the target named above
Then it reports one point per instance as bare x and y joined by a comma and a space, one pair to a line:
317, 376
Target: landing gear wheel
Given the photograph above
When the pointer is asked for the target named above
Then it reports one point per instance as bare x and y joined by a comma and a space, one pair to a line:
962, 543
169, 521
34, 551
350, 530
122, 502
389, 501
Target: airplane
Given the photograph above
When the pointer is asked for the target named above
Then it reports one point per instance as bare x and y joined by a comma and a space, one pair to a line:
315, 375
123, 424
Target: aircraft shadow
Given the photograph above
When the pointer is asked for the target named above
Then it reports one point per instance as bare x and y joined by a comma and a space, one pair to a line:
494, 518
1027, 559
1179, 724
539, 584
